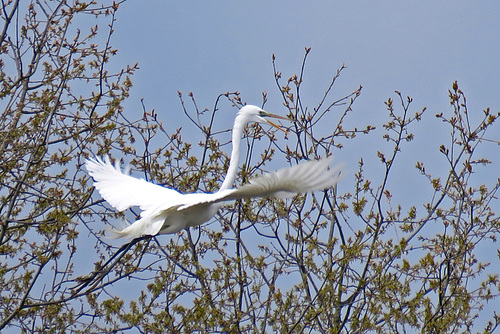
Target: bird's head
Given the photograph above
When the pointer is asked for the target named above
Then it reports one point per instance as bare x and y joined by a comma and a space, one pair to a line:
250, 113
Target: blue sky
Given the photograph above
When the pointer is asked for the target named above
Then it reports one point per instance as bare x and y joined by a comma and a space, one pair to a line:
416, 47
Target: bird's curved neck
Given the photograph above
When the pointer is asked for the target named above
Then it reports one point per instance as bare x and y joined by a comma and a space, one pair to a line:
235, 155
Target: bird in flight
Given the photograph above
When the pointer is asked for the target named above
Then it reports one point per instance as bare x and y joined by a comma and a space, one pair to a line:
165, 210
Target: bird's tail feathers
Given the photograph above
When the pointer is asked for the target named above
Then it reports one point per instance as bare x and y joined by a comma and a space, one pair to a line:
114, 233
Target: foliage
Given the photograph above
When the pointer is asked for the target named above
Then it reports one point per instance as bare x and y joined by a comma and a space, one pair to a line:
351, 260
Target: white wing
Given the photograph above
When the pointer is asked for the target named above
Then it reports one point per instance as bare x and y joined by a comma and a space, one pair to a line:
306, 177
124, 191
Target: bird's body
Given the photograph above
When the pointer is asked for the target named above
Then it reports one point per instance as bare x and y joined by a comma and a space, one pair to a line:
166, 211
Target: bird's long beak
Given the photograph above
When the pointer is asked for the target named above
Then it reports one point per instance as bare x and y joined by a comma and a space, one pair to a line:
277, 126
278, 117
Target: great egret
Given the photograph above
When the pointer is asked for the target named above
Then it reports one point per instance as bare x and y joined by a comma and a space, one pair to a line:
167, 211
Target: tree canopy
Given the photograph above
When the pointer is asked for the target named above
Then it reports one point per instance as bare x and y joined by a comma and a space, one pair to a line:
353, 259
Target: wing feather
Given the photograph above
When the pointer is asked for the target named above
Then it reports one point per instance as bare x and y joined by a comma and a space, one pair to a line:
305, 177
123, 191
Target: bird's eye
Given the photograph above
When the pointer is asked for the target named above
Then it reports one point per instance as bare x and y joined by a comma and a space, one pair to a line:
262, 113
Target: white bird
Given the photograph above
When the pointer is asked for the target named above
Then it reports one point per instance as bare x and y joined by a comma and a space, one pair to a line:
166, 210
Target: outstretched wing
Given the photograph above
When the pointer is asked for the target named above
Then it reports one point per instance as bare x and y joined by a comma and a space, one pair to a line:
124, 191
306, 177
